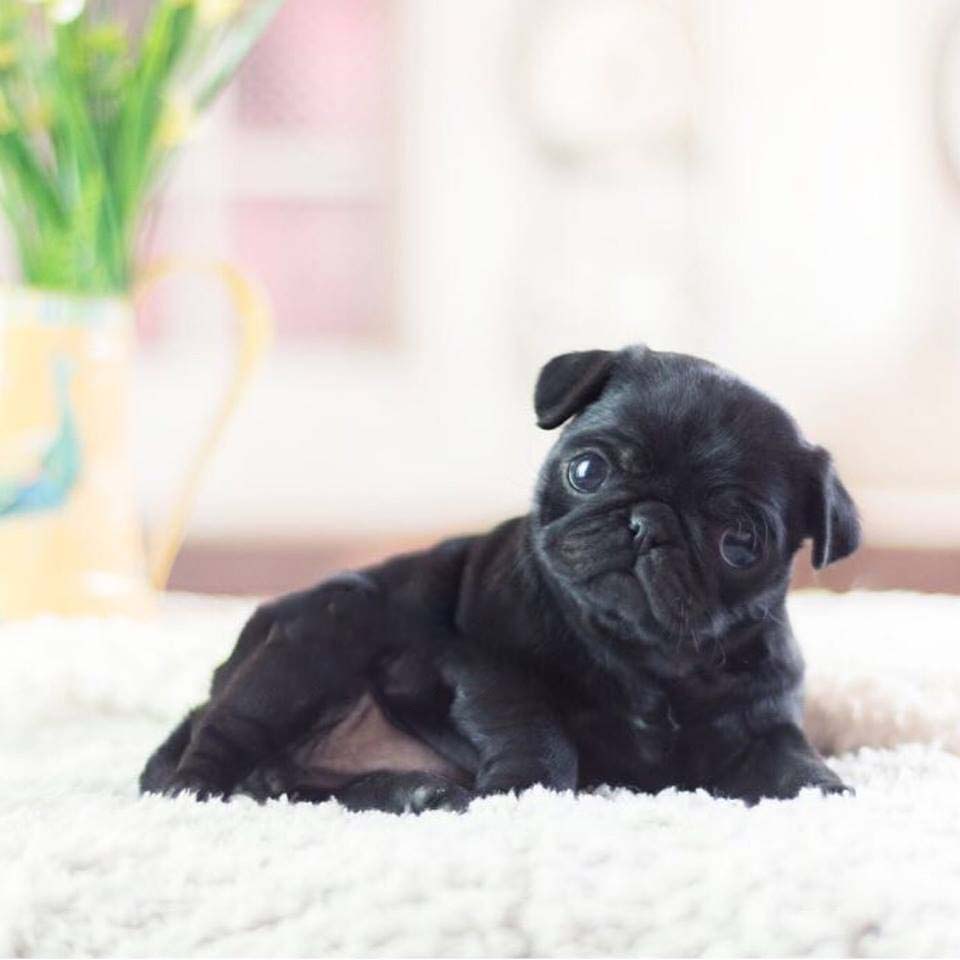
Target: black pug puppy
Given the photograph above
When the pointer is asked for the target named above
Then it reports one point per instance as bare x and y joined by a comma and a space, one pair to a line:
630, 630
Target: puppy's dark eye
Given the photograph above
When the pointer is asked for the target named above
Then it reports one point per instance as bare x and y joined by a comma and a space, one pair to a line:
740, 546
587, 472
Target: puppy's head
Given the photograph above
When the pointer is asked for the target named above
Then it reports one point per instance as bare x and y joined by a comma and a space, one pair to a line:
676, 496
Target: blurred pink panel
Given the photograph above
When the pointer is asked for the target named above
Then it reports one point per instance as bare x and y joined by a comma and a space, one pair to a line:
323, 265
321, 65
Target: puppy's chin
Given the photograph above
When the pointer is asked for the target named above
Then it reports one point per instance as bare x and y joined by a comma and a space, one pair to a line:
675, 597
651, 607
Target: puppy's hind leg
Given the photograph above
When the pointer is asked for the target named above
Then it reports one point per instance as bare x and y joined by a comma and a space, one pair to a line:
315, 656
409, 792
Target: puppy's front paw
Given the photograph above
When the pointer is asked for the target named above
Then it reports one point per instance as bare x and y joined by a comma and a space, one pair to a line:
516, 775
200, 787
782, 781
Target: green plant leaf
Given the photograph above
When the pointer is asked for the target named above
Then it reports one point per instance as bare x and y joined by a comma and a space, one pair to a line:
81, 115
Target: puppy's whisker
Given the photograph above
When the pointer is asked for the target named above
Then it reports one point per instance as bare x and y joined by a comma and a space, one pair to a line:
766, 613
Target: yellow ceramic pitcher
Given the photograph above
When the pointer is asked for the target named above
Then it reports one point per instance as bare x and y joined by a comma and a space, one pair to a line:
70, 538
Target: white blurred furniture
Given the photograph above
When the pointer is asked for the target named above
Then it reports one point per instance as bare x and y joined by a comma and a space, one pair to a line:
760, 183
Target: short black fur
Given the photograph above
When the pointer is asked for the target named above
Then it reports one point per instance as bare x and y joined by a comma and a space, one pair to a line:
634, 634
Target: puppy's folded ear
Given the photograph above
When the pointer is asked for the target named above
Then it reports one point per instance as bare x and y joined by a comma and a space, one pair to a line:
831, 516
568, 383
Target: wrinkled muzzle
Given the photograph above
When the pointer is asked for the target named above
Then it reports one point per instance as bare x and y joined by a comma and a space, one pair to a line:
628, 569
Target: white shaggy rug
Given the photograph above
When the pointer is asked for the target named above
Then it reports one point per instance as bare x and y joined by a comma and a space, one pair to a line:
89, 868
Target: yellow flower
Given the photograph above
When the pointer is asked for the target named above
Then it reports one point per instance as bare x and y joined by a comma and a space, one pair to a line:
106, 38
177, 120
8, 55
38, 116
211, 13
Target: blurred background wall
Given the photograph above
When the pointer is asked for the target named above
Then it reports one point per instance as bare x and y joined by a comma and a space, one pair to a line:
440, 196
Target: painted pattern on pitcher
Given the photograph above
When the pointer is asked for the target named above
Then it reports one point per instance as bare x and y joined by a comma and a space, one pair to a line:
70, 535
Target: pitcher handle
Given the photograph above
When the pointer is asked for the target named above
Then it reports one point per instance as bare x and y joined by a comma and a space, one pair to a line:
255, 327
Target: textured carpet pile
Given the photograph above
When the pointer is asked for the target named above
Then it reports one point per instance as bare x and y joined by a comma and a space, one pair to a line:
89, 868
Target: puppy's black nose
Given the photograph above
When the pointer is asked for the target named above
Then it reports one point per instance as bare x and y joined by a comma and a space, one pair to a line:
648, 531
